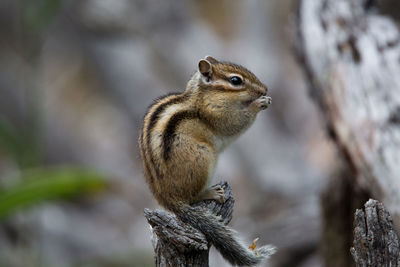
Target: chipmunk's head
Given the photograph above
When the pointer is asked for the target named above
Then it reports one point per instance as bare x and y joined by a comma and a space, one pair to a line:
228, 77
226, 82
228, 91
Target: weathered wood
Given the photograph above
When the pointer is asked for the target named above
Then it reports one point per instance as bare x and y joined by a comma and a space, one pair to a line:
178, 244
351, 56
376, 243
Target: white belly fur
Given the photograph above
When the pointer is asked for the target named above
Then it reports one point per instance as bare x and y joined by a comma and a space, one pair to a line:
221, 142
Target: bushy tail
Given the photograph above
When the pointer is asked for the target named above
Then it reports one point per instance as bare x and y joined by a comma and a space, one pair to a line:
221, 236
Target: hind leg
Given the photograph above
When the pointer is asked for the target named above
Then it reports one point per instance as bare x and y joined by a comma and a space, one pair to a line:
215, 192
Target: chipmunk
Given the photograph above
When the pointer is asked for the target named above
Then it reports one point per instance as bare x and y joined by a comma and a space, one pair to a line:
182, 135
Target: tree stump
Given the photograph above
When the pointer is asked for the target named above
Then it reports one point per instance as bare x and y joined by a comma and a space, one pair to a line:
178, 244
376, 243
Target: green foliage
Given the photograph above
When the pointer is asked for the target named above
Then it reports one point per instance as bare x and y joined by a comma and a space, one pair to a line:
38, 185
20, 148
38, 13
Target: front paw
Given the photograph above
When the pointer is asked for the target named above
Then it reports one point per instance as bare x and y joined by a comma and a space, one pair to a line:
262, 102
215, 192
218, 193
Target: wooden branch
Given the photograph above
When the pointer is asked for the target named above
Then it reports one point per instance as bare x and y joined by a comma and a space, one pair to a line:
375, 242
351, 56
178, 244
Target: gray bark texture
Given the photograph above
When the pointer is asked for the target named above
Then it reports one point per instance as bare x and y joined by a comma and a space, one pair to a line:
376, 244
178, 244
351, 56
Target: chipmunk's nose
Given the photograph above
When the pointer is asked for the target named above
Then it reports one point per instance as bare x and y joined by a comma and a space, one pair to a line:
262, 90
259, 89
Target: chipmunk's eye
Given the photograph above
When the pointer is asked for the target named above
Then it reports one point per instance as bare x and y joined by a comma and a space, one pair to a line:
236, 80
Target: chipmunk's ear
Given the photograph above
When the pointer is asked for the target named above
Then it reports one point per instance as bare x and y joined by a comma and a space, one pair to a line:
205, 69
211, 60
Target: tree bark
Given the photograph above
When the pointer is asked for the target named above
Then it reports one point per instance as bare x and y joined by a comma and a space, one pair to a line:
351, 57
376, 243
178, 244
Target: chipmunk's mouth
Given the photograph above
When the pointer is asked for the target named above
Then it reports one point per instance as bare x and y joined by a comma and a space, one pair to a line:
247, 103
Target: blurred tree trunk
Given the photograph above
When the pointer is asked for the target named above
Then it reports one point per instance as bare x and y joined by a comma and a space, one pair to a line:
339, 202
350, 53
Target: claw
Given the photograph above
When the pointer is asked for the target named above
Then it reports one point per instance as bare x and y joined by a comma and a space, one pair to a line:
219, 194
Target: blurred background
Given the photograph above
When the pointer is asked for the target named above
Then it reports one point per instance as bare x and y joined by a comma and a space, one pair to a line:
76, 78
